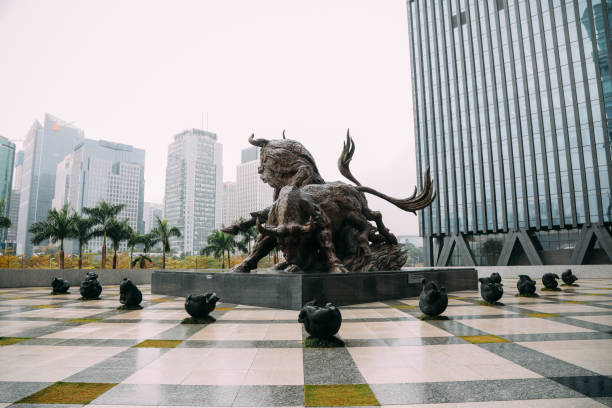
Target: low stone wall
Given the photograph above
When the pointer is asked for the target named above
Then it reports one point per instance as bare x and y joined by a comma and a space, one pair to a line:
292, 290
21, 278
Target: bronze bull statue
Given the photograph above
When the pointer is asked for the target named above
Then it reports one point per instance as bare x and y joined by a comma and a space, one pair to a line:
319, 226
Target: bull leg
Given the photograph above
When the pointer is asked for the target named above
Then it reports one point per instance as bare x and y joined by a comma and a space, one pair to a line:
263, 245
327, 246
377, 218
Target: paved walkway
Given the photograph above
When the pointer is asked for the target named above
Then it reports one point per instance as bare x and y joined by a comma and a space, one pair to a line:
551, 351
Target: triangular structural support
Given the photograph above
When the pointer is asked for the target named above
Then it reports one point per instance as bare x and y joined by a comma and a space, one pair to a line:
526, 244
584, 242
455, 243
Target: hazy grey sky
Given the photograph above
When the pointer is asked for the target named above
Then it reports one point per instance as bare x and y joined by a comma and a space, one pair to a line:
138, 72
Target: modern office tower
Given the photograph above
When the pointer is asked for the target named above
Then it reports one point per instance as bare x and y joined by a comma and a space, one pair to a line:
97, 170
7, 161
152, 211
513, 115
44, 147
11, 237
194, 188
252, 194
229, 203
62, 182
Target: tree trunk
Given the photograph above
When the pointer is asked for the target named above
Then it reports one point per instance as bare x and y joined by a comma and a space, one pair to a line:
222, 259
164, 259
229, 260
61, 259
61, 254
131, 256
80, 255
104, 252
115, 260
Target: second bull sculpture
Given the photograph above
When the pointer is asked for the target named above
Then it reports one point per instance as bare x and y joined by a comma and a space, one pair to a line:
320, 226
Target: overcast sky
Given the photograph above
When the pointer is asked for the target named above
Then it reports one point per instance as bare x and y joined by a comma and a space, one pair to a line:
138, 72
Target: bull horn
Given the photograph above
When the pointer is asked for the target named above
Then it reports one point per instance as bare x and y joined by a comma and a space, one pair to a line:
263, 230
258, 142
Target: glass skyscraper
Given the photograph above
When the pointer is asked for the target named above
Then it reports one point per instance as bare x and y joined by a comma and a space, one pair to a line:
99, 170
513, 115
193, 200
7, 159
44, 147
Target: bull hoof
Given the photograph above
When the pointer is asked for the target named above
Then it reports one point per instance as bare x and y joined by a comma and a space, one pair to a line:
239, 269
338, 268
293, 269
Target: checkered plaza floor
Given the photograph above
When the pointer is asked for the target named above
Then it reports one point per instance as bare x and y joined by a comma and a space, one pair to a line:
550, 351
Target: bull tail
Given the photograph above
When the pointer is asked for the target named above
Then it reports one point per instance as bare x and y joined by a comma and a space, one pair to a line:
413, 203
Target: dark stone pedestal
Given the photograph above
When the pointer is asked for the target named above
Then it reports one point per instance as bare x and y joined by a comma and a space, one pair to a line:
290, 291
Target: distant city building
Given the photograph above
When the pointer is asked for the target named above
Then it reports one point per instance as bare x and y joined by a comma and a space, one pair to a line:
229, 203
252, 194
7, 161
98, 170
415, 240
62, 182
194, 188
44, 147
18, 170
11, 238
152, 211
513, 116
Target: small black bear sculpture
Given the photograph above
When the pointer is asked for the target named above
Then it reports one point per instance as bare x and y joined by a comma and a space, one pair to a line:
568, 277
525, 285
490, 291
60, 285
495, 277
91, 288
550, 280
200, 306
433, 300
129, 294
321, 321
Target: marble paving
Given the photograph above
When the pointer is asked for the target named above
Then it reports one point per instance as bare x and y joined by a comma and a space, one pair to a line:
551, 351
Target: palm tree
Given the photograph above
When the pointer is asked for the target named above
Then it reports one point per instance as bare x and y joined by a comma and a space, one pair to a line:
56, 227
103, 215
218, 243
148, 241
118, 231
164, 234
133, 240
81, 231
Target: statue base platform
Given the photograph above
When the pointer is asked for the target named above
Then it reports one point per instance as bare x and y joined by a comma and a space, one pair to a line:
282, 290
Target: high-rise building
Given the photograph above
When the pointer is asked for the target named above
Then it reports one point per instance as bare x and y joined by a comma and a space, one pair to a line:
252, 194
513, 116
44, 147
11, 237
194, 188
62, 182
152, 211
229, 203
97, 170
7, 160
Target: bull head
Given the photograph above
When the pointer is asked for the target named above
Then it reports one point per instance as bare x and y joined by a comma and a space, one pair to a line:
258, 142
284, 230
